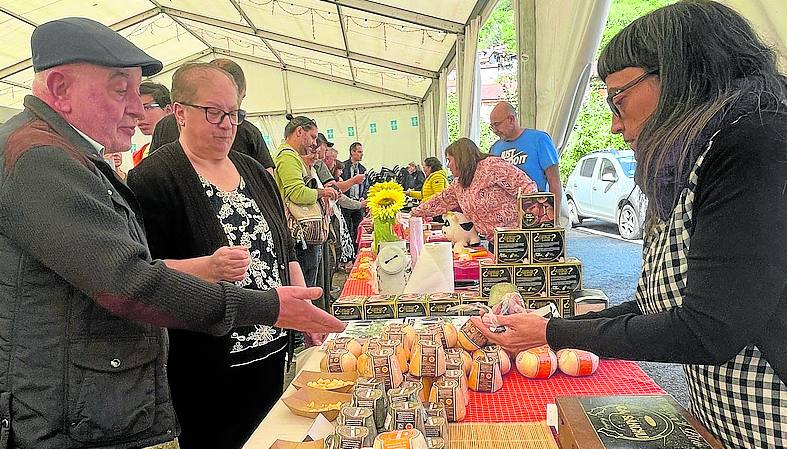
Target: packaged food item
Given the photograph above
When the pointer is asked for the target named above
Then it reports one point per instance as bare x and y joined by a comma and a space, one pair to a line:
512, 246
378, 307
491, 274
338, 361
576, 362
373, 399
405, 415
459, 376
485, 375
401, 439
412, 305
531, 280
537, 210
386, 368
537, 363
399, 331
470, 338
449, 393
466, 298
565, 277
425, 386
358, 417
436, 427
403, 394
351, 437
348, 343
563, 304
436, 443
349, 308
548, 245
439, 303
399, 352
428, 359
497, 353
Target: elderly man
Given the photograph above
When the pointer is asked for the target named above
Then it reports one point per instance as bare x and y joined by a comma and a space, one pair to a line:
529, 149
158, 104
83, 306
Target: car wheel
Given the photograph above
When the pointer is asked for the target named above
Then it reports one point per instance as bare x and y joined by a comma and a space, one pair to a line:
629, 226
573, 215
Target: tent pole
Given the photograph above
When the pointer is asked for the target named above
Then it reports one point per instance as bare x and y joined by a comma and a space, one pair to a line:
526, 61
286, 85
422, 130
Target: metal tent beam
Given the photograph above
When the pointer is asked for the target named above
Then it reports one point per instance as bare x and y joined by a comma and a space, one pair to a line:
177, 21
404, 15
253, 27
346, 45
15, 84
321, 48
346, 82
18, 16
181, 61
123, 24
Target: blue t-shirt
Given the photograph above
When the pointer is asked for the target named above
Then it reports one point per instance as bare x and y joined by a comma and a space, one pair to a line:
533, 152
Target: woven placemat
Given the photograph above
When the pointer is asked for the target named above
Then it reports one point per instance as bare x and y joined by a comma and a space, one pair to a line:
533, 435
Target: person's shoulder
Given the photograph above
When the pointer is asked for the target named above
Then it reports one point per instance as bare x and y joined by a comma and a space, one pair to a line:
758, 135
157, 160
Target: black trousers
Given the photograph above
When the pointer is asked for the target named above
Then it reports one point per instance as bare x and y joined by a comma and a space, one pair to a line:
353, 218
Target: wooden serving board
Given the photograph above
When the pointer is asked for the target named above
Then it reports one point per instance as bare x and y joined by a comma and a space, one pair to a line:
533, 435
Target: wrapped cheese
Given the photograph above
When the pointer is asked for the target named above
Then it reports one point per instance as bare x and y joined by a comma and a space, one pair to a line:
364, 365
347, 343
386, 368
428, 359
398, 439
497, 353
537, 363
338, 361
402, 332
449, 393
426, 386
459, 376
576, 362
485, 375
470, 338
400, 353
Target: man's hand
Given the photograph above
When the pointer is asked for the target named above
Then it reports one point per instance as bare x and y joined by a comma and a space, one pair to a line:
298, 313
329, 193
357, 179
364, 202
229, 263
523, 331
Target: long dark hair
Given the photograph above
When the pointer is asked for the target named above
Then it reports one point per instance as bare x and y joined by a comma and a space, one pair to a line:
701, 50
466, 156
433, 163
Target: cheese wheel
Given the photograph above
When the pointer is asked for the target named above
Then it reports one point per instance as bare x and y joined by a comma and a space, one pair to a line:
347, 343
537, 363
470, 338
576, 362
364, 365
338, 361
399, 352
399, 439
449, 393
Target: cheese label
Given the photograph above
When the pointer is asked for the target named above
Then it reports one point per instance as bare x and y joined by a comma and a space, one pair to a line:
531, 280
548, 245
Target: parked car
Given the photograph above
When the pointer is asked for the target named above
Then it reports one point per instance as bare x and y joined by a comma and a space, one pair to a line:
602, 187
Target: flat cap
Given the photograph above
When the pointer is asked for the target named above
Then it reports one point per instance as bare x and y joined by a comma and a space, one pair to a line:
77, 39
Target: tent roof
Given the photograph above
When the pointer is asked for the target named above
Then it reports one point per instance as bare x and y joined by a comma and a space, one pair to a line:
392, 50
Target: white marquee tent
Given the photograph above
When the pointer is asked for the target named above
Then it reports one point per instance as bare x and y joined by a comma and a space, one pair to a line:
365, 70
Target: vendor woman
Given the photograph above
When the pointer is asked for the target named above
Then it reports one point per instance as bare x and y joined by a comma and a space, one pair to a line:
484, 188
700, 99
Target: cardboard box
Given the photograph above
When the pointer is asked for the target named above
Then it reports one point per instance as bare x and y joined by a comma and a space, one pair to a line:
548, 245
565, 277
564, 304
537, 210
380, 307
531, 280
440, 302
472, 298
512, 245
411, 305
349, 308
589, 300
491, 274
629, 422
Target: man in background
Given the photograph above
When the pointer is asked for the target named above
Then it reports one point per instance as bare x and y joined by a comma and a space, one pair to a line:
248, 139
157, 104
352, 168
529, 149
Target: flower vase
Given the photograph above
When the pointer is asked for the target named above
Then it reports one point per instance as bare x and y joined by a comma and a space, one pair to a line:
383, 232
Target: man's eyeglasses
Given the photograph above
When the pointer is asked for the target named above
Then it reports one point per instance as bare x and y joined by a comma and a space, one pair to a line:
149, 106
215, 116
614, 93
495, 125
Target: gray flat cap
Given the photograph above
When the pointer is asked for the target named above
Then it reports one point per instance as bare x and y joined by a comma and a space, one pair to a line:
76, 39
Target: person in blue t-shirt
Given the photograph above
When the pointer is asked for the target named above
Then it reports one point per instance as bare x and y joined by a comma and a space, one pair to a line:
529, 149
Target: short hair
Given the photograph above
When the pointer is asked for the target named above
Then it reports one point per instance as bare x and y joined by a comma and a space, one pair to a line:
433, 163
158, 91
355, 145
234, 70
466, 157
186, 80
293, 123
332, 150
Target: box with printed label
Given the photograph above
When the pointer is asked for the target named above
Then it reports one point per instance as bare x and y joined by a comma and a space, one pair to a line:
472, 298
380, 307
537, 210
548, 245
412, 305
491, 274
531, 280
565, 277
512, 245
349, 308
564, 304
440, 302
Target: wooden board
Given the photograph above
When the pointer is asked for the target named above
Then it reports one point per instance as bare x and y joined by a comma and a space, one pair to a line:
534, 435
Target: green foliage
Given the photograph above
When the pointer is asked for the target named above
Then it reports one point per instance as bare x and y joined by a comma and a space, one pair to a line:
623, 12
499, 29
486, 136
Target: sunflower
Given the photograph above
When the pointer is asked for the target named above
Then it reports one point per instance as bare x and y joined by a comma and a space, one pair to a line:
387, 185
385, 203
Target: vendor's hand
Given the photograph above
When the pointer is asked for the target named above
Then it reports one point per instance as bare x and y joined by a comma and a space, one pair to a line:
229, 263
357, 179
329, 193
364, 202
523, 331
298, 313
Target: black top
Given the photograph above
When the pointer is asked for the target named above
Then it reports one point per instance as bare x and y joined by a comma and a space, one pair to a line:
736, 293
248, 139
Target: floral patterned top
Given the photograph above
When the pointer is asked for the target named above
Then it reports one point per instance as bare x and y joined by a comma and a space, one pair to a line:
491, 199
245, 225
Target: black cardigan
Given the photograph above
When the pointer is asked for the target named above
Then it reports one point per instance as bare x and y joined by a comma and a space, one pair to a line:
736, 292
178, 218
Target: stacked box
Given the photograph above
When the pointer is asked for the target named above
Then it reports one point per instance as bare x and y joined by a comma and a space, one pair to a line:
564, 304
412, 305
440, 302
565, 277
547, 245
512, 245
491, 274
380, 307
536, 210
472, 298
532, 280
349, 308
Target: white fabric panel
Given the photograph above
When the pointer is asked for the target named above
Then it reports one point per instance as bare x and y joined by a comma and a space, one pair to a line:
311, 93
13, 31
313, 61
6, 113
442, 114
387, 147
449, 10
163, 39
293, 18
107, 12
769, 18
566, 42
399, 82
215, 10
229, 40
469, 81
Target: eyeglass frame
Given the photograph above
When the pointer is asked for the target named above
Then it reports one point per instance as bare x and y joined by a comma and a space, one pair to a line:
152, 105
495, 125
241, 113
611, 95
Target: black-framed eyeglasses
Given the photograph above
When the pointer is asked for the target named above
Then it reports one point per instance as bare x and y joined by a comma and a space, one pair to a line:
215, 116
149, 106
614, 93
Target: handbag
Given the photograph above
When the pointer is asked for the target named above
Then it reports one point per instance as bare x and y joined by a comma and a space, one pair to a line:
308, 223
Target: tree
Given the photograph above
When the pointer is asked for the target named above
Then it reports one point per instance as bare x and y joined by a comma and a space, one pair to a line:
499, 29
486, 136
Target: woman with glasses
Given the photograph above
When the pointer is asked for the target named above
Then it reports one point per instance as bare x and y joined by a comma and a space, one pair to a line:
294, 168
701, 100
216, 214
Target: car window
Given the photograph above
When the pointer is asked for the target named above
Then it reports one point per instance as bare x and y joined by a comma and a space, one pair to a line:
629, 165
606, 167
587, 167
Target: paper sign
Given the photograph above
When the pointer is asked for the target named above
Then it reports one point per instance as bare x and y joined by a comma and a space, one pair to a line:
320, 429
